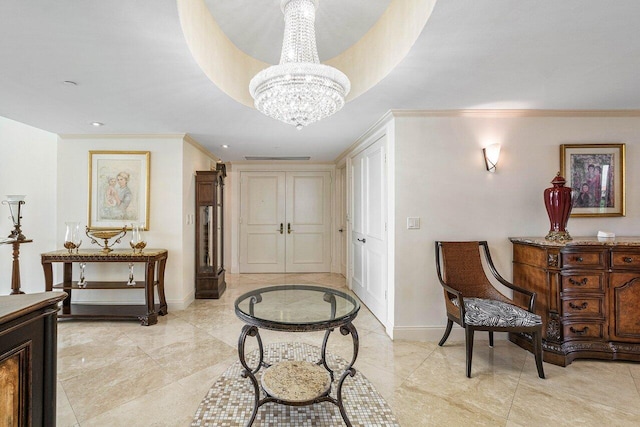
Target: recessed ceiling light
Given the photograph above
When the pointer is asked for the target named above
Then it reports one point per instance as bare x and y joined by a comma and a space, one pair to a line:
70, 83
224, 146
97, 124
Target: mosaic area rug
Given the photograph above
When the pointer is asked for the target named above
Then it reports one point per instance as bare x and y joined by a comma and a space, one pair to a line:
229, 402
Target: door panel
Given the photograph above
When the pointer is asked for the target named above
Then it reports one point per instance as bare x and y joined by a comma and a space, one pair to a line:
368, 236
308, 207
342, 219
358, 279
262, 210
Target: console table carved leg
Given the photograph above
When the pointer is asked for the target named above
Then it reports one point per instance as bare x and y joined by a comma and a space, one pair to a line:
163, 302
48, 276
151, 318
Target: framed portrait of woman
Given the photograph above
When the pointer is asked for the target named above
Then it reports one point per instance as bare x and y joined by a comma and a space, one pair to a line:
596, 175
118, 189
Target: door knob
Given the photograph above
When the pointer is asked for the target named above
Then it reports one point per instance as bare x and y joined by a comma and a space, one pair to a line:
289, 230
341, 230
362, 240
281, 228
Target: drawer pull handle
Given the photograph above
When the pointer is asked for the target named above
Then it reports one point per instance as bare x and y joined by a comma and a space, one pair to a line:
628, 259
576, 283
578, 307
579, 259
579, 331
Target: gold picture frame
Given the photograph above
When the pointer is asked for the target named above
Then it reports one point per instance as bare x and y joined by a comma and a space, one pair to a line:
118, 189
596, 175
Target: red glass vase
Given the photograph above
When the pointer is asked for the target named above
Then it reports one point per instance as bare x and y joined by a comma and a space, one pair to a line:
558, 202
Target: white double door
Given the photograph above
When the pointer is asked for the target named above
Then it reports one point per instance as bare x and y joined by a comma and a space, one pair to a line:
368, 228
285, 222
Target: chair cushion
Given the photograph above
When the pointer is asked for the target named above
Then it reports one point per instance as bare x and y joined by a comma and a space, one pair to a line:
487, 312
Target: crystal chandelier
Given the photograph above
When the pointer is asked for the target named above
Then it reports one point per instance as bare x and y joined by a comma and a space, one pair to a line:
300, 90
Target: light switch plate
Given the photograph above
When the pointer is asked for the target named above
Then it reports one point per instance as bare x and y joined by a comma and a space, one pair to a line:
413, 223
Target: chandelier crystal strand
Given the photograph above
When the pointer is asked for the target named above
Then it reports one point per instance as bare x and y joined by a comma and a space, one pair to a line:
299, 90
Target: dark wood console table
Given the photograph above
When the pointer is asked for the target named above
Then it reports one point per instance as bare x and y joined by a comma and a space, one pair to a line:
28, 349
588, 294
147, 314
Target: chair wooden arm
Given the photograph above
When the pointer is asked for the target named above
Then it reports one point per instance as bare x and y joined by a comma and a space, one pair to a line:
448, 288
505, 282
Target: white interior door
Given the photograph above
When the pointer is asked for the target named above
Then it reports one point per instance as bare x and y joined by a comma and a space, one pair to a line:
262, 214
308, 232
341, 198
285, 222
368, 230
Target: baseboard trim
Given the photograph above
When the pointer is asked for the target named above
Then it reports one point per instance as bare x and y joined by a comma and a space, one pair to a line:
181, 304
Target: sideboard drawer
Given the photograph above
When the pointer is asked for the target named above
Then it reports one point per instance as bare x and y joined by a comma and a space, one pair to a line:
583, 282
581, 330
625, 259
583, 259
587, 307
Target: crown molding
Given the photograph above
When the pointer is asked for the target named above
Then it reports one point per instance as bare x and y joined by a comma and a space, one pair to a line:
382, 121
122, 136
498, 113
189, 140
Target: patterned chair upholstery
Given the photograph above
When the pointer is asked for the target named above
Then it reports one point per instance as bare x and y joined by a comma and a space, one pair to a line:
484, 308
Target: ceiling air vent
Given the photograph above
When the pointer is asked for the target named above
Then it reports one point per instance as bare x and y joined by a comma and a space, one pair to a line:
276, 158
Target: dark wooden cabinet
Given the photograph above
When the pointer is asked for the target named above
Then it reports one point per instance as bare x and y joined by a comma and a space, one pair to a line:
588, 294
28, 348
210, 271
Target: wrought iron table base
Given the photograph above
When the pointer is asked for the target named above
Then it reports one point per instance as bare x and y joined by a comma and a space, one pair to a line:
252, 331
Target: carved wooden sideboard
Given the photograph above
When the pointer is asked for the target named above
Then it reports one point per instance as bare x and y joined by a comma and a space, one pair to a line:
588, 294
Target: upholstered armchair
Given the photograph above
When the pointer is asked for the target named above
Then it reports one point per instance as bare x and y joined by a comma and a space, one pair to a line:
476, 305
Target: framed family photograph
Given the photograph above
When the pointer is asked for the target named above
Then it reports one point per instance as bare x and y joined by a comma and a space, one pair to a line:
118, 189
596, 175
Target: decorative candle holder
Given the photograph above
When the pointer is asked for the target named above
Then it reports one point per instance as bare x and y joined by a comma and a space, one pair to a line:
15, 202
106, 235
137, 239
72, 238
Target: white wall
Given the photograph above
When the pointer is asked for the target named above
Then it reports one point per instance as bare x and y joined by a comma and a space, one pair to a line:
441, 178
172, 162
27, 166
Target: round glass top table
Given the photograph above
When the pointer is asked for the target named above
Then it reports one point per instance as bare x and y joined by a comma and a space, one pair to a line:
296, 308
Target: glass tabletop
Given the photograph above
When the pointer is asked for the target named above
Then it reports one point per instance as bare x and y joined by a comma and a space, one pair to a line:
296, 307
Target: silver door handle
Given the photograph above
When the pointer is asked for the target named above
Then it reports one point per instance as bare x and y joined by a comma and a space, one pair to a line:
362, 240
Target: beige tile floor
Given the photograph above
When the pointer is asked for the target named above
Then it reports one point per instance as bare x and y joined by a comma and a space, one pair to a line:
123, 374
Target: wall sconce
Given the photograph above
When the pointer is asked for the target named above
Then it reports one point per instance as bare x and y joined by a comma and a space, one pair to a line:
15, 203
491, 156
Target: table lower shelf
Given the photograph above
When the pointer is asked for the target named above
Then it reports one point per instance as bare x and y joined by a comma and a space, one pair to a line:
296, 382
96, 284
111, 312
